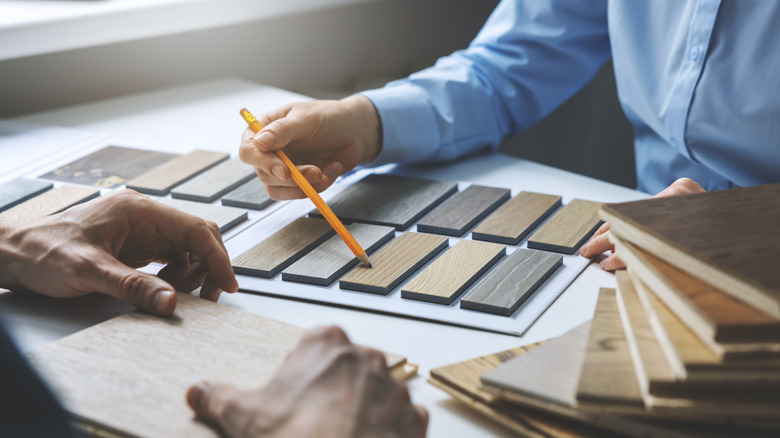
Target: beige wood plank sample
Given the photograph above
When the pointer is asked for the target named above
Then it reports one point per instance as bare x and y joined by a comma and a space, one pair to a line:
161, 179
461, 212
50, 202
568, 228
511, 282
453, 272
516, 218
21, 189
215, 182
225, 217
394, 263
251, 195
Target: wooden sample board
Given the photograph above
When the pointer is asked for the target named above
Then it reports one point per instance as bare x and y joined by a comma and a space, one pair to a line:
462, 211
19, 190
215, 182
160, 180
50, 202
514, 220
568, 229
225, 217
251, 195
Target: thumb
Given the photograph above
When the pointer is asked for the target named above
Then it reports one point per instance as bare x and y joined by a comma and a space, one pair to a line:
279, 133
147, 292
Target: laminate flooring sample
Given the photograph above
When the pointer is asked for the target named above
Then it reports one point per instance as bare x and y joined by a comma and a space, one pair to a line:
251, 195
225, 217
160, 180
50, 202
391, 200
283, 248
394, 263
568, 228
516, 218
327, 262
19, 190
215, 182
449, 275
461, 212
511, 282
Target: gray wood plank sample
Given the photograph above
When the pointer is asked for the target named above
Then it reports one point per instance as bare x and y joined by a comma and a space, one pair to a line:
19, 190
215, 182
283, 248
510, 283
392, 200
225, 217
568, 228
516, 218
459, 213
329, 261
251, 195
50, 202
160, 180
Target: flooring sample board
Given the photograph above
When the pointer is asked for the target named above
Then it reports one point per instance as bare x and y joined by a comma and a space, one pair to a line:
394, 263
516, 218
511, 282
568, 229
215, 182
391, 200
251, 195
453, 272
19, 190
461, 212
50, 202
727, 238
160, 180
329, 261
225, 217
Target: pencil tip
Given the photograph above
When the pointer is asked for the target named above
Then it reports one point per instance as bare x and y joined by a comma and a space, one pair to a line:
364, 258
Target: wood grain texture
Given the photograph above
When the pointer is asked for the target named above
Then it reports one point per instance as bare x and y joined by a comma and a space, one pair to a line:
394, 263
50, 202
225, 217
391, 200
516, 218
461, 212
19, 190
251, 195
511, 282
160, 180
453, 272
215, 182
568, 229
327, 262
283, 248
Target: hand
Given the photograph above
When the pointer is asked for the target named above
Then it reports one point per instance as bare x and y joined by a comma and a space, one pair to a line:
600, 240
324, 139
95, 246
327, 387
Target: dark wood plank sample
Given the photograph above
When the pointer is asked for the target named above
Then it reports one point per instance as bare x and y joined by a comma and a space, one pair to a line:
19, 190
225, 217
516, 218
251, 195
283, 248
394, 263
50, 202
568, 228
449, 275
327, 262
461, 212
392, 200
510, 283
215, 182
160, 180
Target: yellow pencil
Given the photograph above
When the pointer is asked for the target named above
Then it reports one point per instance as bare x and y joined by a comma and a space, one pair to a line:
299, 179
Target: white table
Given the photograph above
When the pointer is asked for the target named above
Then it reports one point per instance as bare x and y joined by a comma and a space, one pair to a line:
206, 116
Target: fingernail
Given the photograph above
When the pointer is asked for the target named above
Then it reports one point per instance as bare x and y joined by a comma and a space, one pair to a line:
162, 300
266, 138
278, 172
195, 395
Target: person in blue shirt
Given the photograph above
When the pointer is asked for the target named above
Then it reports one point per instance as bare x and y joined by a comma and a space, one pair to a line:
698, 80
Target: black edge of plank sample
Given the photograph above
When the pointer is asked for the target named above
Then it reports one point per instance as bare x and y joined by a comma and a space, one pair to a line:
19, 190
251, 195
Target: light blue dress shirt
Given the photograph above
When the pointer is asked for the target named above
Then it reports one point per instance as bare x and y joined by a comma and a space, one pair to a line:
699, 81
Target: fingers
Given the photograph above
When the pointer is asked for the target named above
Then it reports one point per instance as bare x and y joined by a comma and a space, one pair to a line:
612, 263
681, 186
598, 243
144, 291
210, 401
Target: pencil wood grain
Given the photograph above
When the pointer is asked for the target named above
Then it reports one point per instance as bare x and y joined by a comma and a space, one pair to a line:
512, 222
251, 195
462, 211
50, 202
160, 180
215, 182
19, 190
225, 217
568, 228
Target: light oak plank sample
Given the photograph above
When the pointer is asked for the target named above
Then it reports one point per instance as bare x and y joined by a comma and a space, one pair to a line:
19, 190
215, 182
50, 202
453, 272
391, 200
327, 262
251, 195
225, 217
283, 248
394, 263
516, 218
160, 180
461, 212
511, 282
568, 228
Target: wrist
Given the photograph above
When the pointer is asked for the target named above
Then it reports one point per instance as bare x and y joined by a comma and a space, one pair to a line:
367, 126
11, 235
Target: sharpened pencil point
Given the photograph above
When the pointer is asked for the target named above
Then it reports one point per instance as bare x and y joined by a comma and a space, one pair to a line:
364, 259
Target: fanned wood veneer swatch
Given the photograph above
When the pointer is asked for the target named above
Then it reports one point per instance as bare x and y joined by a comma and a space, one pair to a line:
282, 248
511, 282
50, 202
225, 217
160, 180
461, 212
19, 190
394, 263
215, 182
327, 262
516, 218
391, 200
452, 273
251, 195
568, 228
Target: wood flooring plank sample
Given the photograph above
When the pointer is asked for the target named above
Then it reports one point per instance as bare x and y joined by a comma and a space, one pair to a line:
516, 218
215, 182
283, 248
568, 228
19, 190
160, 180
50, 202
225, 217
461, 212
449, 275
394, 263
327, 262
391, 200
511, 282
251, 195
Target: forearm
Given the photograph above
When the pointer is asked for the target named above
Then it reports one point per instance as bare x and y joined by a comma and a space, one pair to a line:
11, 254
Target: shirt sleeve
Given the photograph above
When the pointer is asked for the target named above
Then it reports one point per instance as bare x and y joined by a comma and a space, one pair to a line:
529, 57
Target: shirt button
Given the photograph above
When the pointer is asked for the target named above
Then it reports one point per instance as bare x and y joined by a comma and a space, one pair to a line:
694, 53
